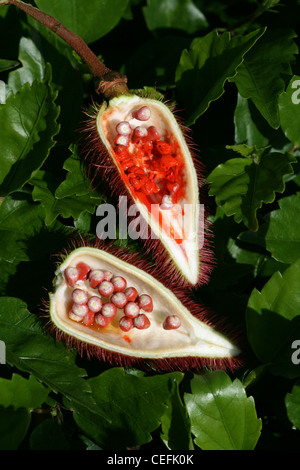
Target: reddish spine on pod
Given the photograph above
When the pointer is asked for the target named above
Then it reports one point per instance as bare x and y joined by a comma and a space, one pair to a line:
141, 322
145, 302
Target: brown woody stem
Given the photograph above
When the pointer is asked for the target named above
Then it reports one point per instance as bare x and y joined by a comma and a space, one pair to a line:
111, 83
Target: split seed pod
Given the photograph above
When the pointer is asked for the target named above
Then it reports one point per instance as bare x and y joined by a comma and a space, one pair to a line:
134, 336
154, 167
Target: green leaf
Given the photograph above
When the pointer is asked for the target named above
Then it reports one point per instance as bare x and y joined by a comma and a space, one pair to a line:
22, 393
31, 350
45, 186
292, 403
134, 405
89, 19
14, 425
289, 110
273, 321
76, 182
222, 416
33, 66
262, 75
49, 435
175, 425
281, 231
177, 14
203, 70
28, 127
7, 64
242, 185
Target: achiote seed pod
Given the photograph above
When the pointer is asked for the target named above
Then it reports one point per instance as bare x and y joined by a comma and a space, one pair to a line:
173, 333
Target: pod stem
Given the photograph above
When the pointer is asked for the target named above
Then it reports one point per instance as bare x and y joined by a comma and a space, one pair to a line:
110, 83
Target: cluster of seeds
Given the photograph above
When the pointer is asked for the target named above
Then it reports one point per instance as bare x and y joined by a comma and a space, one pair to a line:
153, 166
114, 294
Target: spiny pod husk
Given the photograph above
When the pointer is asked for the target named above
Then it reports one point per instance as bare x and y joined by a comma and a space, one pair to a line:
143, 340
136, 146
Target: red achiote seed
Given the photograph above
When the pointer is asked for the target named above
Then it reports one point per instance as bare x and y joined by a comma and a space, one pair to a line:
108, 275
83, 270
123, 128
96, 276
126, 323
94, 304
173, 187
163, 147
71, 275
139, 133
80, 309
145, 302
119, 283
106, 288
109, 310
172, 322
100, 320
132, 310
74, 317
89, 318
122, 140
131, 294
141, 322
79, 296
143, 114
119, 299
153, 133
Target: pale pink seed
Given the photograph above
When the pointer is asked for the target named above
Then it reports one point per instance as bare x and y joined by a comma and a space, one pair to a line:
122, 140
100, 320
106, 288
96, 276
80, 309
79, 296
143, 114
94, 303
138, 133
145, 302
123, 128
108, 275
119, 283
109, 310
153, 133
131, 310
119, 299
75, 317
131, 294
71, 275
172, 322
141, 322
126, 323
